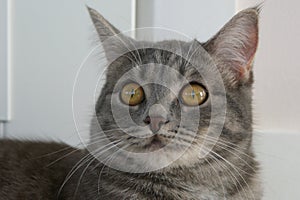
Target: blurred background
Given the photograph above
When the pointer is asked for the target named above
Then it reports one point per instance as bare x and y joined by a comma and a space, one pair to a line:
43, 43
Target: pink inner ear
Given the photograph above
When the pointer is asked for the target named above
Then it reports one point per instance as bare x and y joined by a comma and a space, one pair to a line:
249, 53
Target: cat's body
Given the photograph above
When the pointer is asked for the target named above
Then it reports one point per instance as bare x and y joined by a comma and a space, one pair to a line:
35, 170
26, 169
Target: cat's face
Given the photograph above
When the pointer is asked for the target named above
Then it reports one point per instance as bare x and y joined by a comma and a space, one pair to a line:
155, 100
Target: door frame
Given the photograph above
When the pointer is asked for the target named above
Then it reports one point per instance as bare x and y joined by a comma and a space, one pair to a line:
5, 60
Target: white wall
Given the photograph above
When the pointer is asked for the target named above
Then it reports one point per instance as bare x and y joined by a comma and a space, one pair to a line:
276, 96
277, 66
194, 18
50, 40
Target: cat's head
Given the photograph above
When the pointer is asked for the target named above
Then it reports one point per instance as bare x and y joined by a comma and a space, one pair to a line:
175, 92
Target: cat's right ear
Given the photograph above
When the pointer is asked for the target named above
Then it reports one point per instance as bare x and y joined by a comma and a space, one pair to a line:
234, 46
113, 41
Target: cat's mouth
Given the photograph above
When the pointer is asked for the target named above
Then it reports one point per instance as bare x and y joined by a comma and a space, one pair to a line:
155, 143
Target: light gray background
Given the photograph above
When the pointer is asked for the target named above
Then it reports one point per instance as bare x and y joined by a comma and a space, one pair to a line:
51, 38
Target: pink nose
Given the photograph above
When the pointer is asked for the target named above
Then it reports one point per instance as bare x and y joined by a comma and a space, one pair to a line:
155, 122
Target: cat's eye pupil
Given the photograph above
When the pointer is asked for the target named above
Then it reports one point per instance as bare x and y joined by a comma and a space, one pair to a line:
132, 94
193, 94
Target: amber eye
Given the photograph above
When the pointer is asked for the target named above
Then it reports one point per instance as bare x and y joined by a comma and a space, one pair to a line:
132, 94
193, 94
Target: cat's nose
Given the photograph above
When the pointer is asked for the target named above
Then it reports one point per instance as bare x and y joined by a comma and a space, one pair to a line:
155, 122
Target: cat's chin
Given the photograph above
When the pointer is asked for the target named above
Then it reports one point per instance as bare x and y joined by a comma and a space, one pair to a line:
155, 144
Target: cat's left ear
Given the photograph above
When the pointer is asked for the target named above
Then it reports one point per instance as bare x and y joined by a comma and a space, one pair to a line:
112, 39
103, 27
234, 46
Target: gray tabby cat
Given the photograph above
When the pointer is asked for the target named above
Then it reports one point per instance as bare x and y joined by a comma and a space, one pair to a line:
36, 170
